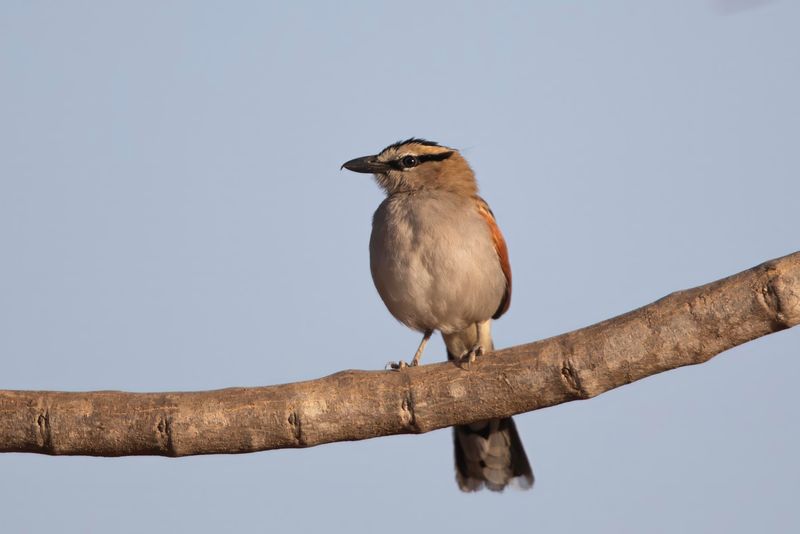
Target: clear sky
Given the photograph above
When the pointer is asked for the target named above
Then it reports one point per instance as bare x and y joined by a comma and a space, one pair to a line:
173, 217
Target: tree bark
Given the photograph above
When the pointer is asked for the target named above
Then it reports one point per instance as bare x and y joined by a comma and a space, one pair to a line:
684, 328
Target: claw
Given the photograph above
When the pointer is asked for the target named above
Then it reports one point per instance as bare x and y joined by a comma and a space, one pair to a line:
471, 355
415, 361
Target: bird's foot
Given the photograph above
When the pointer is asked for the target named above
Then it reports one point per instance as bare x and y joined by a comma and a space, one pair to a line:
471, 355
396, 366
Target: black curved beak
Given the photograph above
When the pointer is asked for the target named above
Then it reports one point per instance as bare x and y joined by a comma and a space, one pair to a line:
367, 164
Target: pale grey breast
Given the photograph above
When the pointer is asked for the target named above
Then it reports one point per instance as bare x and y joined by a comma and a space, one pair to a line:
433, 261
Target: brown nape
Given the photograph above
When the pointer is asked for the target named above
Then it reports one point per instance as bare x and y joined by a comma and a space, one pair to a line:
454, 174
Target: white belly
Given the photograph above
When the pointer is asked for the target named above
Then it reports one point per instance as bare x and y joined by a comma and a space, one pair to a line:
433, 261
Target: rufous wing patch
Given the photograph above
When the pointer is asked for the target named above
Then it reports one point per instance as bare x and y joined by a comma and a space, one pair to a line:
502, 253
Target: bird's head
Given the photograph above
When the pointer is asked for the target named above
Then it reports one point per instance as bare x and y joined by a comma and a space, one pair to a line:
417, 164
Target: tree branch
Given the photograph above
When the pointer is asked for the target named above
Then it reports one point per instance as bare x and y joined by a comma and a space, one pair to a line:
684, 328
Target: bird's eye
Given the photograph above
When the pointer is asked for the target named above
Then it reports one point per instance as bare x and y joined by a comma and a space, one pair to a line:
409, 161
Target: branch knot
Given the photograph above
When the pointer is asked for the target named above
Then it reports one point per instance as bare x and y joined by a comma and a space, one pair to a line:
573, 380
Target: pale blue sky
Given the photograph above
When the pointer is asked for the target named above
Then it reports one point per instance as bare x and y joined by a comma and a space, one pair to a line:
173, 217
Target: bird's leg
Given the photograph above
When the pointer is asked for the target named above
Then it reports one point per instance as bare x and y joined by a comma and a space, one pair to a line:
418, 354
415, 361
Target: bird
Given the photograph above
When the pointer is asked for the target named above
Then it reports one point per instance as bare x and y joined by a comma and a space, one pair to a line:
440, 262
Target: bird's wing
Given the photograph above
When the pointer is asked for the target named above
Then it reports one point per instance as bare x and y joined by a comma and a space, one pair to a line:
502, 252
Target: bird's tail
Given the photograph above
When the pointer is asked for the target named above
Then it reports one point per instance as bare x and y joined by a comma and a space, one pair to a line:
488, 453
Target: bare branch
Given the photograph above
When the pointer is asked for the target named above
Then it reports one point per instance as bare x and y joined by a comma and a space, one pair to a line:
684, 328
